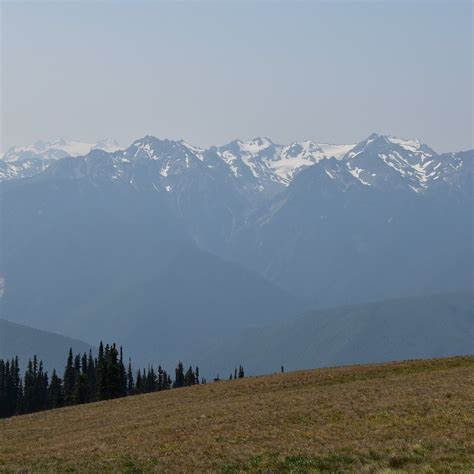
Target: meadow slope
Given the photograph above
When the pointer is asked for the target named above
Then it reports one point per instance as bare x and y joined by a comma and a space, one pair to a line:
395, 417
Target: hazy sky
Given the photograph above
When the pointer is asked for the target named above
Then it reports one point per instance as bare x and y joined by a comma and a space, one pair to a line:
212, 72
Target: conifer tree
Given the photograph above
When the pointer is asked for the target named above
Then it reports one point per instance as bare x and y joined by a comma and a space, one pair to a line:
189, 377
28, 388
69, 379
179, 376
161, 378
81, 390
151, 380
114, 373
102, 376
55, 392
130, 384
41, 388
92, 377
77, 365
123, 376
20, 400
84, 364
139, 382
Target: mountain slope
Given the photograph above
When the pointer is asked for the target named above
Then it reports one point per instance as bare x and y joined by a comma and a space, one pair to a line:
332, 237
423, 327
178, 311
24, 342
95, 258
410, 416
66, 241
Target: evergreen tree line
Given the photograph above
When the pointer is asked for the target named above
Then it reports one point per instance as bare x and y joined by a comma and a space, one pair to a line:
85, 379
238, 374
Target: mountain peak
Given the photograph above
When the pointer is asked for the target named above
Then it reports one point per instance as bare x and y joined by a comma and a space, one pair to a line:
411, 144
256, 145
147, 139
261, 141
385, 160
376, 139
373, 136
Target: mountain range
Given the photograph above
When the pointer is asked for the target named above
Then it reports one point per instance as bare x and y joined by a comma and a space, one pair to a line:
180, 246
26, 161
378, 160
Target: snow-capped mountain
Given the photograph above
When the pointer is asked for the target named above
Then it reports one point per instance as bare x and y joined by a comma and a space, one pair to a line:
331, 225
270, 165
263, 166
259, 168
388, 161
215, 191
27, 161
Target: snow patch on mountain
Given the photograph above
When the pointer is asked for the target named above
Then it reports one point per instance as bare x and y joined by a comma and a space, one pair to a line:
357, 172
293, 158
275, 165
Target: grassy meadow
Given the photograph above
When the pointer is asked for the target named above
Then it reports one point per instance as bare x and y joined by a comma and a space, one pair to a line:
413, 416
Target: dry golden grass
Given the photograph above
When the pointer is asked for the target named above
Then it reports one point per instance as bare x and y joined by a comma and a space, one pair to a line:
408, 416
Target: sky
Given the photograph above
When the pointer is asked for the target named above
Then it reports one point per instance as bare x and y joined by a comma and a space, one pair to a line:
210, 72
